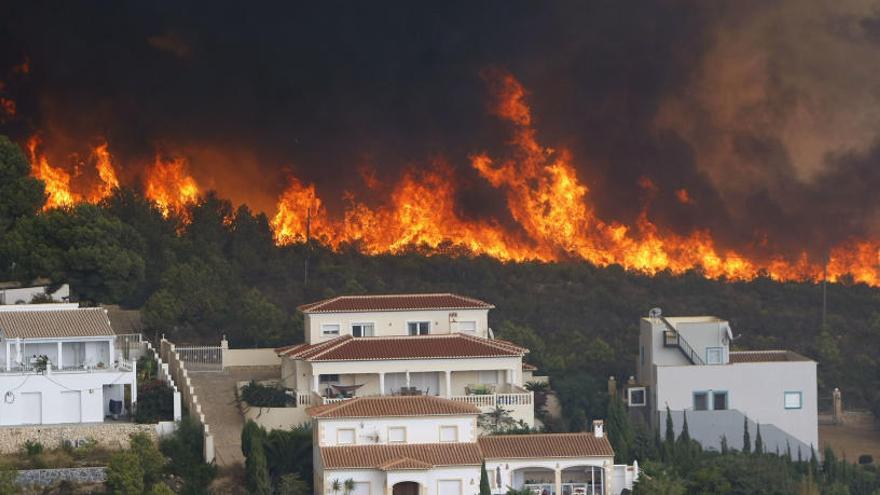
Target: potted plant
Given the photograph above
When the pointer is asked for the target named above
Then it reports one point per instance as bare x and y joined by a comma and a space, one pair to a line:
41, 363
335, 486
348, 486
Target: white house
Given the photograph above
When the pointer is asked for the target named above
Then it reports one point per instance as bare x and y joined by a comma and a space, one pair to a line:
686, 363
409, 344
424, 445
14, 293
58, 365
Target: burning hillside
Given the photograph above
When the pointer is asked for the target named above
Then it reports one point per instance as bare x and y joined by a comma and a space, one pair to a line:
553, 216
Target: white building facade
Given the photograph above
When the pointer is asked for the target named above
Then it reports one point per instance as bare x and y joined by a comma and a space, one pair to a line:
423, 445
410, 344
58, 364
686, 363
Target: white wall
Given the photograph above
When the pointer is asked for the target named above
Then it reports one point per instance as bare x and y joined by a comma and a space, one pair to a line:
755, 389
395, 322
425, 429
13, 410
468, 475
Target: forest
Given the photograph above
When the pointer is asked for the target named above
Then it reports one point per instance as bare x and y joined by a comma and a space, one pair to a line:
213, 269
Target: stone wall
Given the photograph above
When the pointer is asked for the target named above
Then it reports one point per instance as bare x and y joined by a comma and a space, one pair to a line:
113, 436
46, 477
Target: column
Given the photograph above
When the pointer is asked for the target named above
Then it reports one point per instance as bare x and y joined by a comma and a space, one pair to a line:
382, 383
407, 378
8, 357
112, 357
558, 480
315, 383
58, 364
448, 384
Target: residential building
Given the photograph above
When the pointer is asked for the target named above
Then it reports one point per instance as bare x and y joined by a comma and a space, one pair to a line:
14, 293
425, 344
58, 364
424, 445
685, 364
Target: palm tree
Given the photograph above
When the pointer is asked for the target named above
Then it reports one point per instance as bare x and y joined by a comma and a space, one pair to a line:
497, 420
348, 486
335, 486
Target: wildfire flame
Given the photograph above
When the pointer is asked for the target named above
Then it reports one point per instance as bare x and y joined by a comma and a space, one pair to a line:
550, 205
59, 189
169, 185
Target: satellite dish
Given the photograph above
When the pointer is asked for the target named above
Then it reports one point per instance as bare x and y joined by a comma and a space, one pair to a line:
655, 312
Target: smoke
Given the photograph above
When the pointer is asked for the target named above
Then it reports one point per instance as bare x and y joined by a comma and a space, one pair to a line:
764, 113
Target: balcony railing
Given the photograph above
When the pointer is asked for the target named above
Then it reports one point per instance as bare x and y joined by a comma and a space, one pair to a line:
496, 400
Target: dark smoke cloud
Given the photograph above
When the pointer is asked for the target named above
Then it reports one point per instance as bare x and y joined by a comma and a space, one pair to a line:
765, 113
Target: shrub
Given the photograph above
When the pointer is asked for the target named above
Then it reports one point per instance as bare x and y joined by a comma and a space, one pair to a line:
250, 430
160, 489
32, 448
8, 484
258, 395
256, 468
292, 484
185, 449
151, 460
125, 475
866, 459
155, 402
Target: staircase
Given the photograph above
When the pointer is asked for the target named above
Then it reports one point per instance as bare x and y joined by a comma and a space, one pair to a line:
672, 338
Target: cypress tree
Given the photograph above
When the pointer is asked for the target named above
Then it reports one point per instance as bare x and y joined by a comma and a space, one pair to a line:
724, 448
669, 442
759, 442
620, 430
814, 461
800, 456
747, 439
484, 481
787, 450
683, 446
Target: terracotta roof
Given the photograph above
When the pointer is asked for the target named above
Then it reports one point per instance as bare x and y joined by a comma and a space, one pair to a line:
394, 302
544, 445
368, 407
406, 456
60, 323
456, 345
529, 367
765, 356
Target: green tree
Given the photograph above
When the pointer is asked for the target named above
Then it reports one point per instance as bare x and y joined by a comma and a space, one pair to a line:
292, 484
759, 442
657, 480
620, 430
497, 420
709, 481
669, 438
160, 489
101, 257
20, 194
747, 438
485, 489
256, 468
725, 449
151, 460
125, 476
9, 482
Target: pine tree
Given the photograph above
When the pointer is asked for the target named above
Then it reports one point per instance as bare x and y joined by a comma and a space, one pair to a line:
747, 439
759, 442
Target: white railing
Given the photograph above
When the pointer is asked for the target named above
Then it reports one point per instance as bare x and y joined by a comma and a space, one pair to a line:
303, 398
125, 343
201, 358
333, 400
493, 400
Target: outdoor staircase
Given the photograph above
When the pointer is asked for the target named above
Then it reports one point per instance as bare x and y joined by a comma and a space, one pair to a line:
672, 338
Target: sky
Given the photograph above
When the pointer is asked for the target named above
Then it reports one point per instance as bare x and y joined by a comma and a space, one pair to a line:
766, 112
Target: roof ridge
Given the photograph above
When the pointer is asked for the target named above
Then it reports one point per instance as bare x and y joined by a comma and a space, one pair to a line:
342, 340
497, 343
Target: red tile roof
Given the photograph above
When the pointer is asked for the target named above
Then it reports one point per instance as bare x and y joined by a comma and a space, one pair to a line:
455, 345
765, 356
394, 302
403, 456
529, 367
544, 445
367, 407
42, 323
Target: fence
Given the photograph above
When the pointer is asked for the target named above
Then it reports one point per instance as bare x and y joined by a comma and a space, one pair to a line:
201, 358
169, 354
128, 345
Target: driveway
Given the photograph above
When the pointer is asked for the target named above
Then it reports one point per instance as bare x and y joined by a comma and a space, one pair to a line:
216, 393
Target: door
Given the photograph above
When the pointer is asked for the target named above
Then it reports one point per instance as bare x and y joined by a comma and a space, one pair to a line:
449, 487
32, 408
70, 407
428, 383
406, 488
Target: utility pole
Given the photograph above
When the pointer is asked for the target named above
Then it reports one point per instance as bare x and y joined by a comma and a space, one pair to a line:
308, 245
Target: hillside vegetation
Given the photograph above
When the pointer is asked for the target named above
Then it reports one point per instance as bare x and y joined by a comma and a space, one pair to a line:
214, 269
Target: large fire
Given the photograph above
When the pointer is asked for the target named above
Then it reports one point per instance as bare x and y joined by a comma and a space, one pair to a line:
551, 207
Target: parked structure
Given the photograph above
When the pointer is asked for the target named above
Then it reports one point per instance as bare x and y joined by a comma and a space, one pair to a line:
423, 445
686, 363
410, 344
59, 364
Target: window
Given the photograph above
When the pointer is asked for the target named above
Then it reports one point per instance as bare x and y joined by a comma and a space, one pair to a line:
467, 326
328, 378
330, 329
701, 401
794, 400
396, 434
714, 355
418, 327
345, 436
362, 329
489, 377
636, 396
448, 433
719, 401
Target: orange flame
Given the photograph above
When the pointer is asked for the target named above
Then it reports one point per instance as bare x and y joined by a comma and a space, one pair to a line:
104, 165
58, 192
169, 185
552, 210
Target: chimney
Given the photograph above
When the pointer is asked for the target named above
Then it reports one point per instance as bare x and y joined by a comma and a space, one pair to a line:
598, 428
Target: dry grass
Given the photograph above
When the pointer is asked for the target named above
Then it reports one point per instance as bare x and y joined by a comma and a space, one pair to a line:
859, 434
